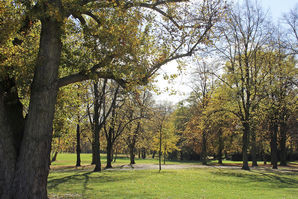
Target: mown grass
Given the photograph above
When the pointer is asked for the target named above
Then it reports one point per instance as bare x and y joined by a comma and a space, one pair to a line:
181, 183
69, 159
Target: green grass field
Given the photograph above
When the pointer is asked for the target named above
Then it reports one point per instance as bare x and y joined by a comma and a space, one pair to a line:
66, 181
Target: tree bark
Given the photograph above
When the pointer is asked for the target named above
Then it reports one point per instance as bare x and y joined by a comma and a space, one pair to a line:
78, 148
273, 143
96, 130
115, 155
245, 146
54, 158
254, 149
204, 148
143, 153
153, 154
159, 154
93, 148
109, 153
32, 166
10, 133
283, 149
131, 153
220, 146
132, 144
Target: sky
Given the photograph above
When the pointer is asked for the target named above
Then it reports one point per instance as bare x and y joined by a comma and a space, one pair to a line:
182, 84
278, 7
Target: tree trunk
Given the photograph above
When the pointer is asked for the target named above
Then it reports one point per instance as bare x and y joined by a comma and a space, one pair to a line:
153, 154
131, 153
116, 155
254, 149
283, 149
181, 155
245, 145
273, 144
132, 146
96, 130
263, 155
226, 155
78, 149
204, 148
143, 153
10, 133
32, 165
54, 158
109, 154
159, 154
220, 146
93, 148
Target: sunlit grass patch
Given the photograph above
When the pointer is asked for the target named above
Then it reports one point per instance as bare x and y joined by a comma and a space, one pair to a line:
182, 183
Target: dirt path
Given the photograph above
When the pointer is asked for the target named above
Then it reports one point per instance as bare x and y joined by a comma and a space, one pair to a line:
236, 166
189, 166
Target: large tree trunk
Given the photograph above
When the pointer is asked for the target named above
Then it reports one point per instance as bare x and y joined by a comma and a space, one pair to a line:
273, 143
245, 145
32, 165
254, 149
11, 130
96, 129
283, 139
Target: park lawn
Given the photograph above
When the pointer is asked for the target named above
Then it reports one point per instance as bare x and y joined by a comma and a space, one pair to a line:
69, 159
210, 182
180, 183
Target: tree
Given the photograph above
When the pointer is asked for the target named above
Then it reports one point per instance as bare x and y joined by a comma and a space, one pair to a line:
112, 134
280, 101
25, 159
121, 118
202, 89
245, 35
291, 20
161, 116
182, 117
137, 109
100, 116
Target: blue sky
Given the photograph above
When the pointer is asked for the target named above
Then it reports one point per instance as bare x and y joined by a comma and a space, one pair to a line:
278, 7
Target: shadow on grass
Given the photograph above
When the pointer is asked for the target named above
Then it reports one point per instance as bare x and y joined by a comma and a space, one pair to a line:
271, 178
56, 181
88, 184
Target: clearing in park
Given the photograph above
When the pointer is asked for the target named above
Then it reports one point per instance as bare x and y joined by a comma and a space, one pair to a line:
176, 180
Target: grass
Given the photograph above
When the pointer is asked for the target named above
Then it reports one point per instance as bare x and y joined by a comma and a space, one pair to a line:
181, 183
68, 159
